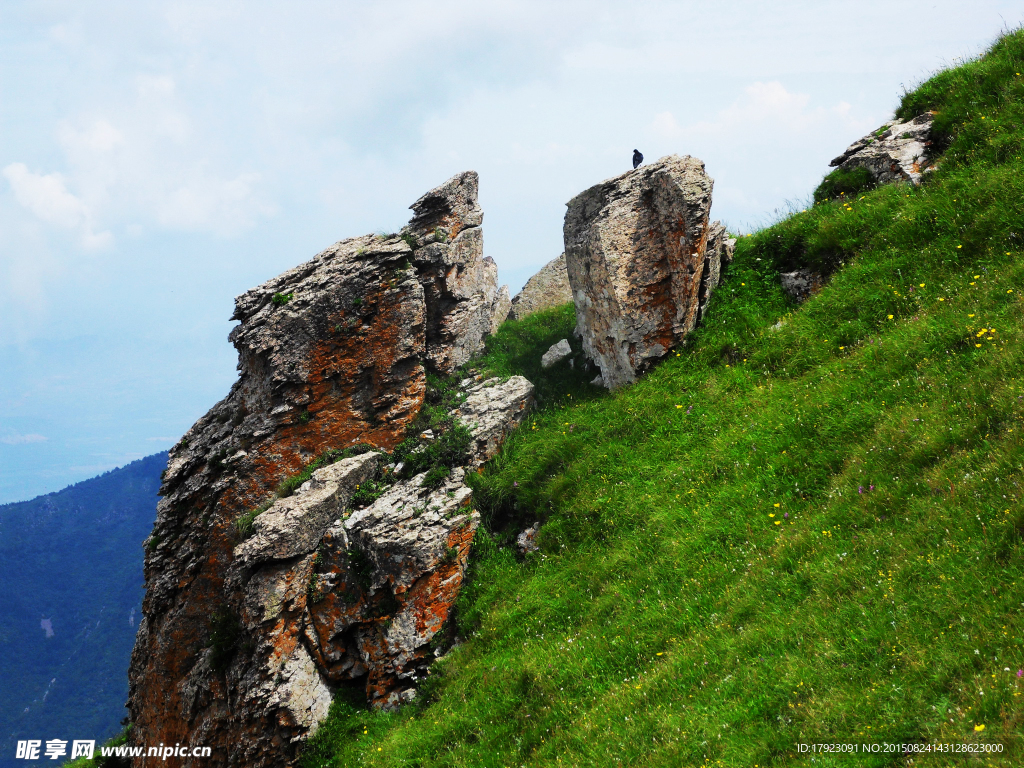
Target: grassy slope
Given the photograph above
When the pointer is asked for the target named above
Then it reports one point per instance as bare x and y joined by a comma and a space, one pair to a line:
809, 533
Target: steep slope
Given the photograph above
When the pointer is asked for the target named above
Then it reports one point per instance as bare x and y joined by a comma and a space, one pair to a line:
70, 599
805, 526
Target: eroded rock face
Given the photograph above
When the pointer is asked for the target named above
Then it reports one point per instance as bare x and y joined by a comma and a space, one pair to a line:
233, 650
403, 559
895, 152
548, 288
502, 306
637, 260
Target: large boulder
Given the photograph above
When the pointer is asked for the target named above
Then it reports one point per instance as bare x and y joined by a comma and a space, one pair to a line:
548, 288
330, 353
637, 260
898, 151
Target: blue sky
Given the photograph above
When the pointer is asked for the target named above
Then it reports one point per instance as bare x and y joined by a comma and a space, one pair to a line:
159, 158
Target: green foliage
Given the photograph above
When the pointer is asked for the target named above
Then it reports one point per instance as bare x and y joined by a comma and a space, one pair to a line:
452, 440
305, 417
368, 492
280, 299
435, 477
844, 182
411, 241
962, 96
111, 761
314, 594
225, 634
518, 346
361, 566
245, 523
447, 450
357, 301
802, 526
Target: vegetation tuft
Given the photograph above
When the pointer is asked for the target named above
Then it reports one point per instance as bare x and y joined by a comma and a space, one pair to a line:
225, 632
280, 299
804, 526
843, 182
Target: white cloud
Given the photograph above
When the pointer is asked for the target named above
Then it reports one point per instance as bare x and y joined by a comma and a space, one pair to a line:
766, 108
770, 107
17, 439
48, 198
45, 196
151, 168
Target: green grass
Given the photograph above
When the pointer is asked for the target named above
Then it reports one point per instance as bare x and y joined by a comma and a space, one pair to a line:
844, 182
806, 531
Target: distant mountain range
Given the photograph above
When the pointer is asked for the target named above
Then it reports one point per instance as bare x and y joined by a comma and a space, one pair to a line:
70, 600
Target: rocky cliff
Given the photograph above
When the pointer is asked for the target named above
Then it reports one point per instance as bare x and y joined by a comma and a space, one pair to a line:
264, 593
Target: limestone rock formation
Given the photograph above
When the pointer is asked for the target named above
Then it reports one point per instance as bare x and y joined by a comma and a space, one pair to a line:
237, 648
492, 409
548, 288
637, 260
895, 152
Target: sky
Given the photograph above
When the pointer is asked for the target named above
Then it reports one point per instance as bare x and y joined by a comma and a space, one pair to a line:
159, 158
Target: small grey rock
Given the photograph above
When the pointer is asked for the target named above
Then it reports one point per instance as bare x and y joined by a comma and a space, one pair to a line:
556, 353
527, 540
801, 284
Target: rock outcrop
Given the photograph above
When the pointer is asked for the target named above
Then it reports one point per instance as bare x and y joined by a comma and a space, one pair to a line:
491, 409
548, 288
243, 641
638, 263
897, 151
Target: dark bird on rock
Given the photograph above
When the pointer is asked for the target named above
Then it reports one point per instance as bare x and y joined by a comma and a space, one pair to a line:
637, 158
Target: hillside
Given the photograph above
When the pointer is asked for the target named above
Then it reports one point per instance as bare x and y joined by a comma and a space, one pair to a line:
70, 598
804, 526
